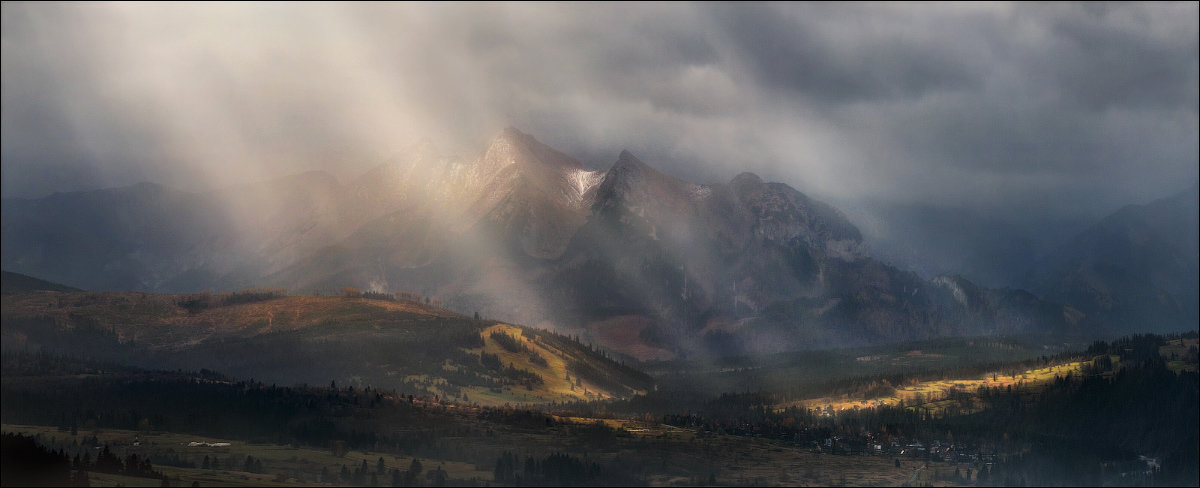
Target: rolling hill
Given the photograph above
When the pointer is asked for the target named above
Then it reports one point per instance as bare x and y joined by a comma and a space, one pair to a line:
400, 344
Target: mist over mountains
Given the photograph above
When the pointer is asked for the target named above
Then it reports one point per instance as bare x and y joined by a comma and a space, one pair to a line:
635, 259
1136, 268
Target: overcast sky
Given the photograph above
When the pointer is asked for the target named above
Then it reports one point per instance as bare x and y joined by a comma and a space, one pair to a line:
1070, 109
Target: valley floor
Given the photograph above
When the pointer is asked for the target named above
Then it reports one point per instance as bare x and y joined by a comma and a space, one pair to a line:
667, 455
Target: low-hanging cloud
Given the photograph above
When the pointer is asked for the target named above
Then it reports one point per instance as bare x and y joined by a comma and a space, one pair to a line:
1065, 108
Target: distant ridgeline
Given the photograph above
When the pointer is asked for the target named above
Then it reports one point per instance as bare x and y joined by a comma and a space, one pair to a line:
13, 283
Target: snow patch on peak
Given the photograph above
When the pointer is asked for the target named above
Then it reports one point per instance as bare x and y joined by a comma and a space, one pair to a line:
582, 181
955, 289
699, 192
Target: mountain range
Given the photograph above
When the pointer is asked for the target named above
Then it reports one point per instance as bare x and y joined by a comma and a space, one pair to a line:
1135, 270
638, 261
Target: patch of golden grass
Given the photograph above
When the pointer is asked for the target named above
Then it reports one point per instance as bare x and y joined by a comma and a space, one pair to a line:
555, 386
931, 394
1178, 347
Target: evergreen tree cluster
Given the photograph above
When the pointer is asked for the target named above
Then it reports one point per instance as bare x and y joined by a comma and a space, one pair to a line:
25, 463
556, 469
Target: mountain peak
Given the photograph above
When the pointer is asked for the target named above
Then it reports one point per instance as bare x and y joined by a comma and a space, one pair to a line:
511, 140
633, 180
512, 130
744, 183
746, 178
513, 146
513, 134
626, 161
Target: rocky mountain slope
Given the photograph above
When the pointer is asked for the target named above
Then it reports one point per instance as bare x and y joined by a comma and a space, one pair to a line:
632, 258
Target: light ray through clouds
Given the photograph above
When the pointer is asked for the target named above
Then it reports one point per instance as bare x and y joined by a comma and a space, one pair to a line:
1065, 108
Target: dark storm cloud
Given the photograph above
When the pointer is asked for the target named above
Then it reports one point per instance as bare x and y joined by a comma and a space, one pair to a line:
835, 54
1112, 55
1064, 108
